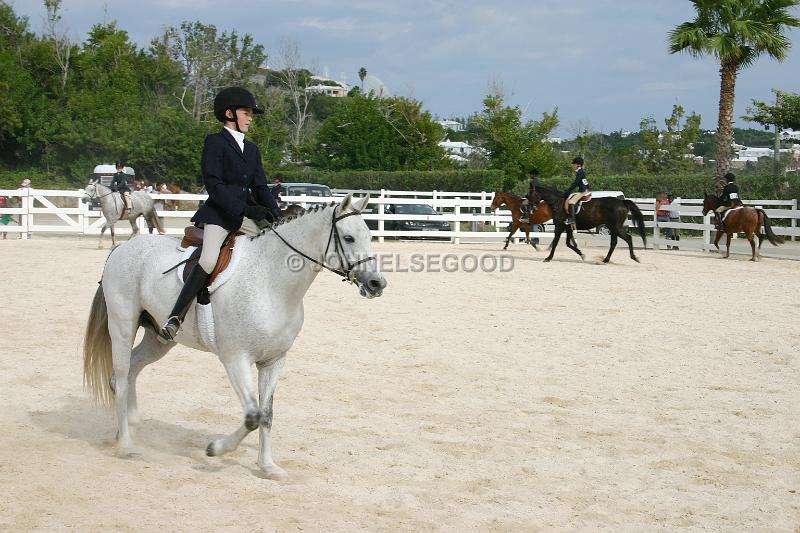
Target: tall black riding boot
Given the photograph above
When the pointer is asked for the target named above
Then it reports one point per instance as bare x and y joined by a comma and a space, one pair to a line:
525, 217
194, 284
571, 219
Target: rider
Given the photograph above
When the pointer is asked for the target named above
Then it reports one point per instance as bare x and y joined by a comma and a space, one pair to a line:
582, 184
526, 208
728, 199
119, 183
238, 194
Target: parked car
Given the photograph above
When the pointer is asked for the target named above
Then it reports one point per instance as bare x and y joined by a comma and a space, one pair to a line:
429, 224
300, 189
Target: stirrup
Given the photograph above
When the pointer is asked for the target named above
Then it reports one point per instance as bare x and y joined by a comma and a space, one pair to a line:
170, 329
524, 220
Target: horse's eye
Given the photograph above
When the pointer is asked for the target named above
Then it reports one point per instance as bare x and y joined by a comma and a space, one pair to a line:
348, 238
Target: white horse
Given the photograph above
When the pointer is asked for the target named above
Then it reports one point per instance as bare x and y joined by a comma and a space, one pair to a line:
257, 313
111, 204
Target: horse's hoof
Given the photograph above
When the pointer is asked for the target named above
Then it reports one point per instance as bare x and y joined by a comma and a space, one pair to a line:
128, 452
212, 450
274, 472
635, 258
547, 260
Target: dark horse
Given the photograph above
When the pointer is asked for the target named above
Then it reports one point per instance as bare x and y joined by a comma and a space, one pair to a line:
611, 212
747, 220
514, 203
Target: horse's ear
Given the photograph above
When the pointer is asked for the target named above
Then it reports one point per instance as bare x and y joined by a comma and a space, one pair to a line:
361, 204
345, 205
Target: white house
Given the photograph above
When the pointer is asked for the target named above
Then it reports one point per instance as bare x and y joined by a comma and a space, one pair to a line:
335, 91
460, 151
452, 125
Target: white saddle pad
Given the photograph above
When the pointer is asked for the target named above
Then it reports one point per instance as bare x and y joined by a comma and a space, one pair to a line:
729, 211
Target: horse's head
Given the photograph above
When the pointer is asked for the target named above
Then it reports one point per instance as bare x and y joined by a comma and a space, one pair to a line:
352, 245
89, 192
499, 199
710, 203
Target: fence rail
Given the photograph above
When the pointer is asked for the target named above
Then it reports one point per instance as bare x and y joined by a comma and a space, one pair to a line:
468, 214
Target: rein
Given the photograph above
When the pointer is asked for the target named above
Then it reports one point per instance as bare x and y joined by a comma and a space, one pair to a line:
347, 274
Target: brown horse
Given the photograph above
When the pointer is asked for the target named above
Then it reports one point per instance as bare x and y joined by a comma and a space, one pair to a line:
747, 220
539, 215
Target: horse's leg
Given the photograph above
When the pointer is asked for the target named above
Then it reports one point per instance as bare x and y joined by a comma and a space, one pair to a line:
572, 244
627, 238
238, 369
122, 330
134, 227
612, 246
717, 239
267, 380
728, 246
514, 226
102, 232
752, 239
553, 244
113, 242
146, 352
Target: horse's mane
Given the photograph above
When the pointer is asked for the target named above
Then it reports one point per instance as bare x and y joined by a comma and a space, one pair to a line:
287, 220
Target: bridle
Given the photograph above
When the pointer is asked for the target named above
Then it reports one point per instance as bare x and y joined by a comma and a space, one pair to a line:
346, 273
95, 195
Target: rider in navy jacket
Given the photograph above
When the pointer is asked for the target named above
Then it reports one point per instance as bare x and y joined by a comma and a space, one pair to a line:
230, 175
238, 195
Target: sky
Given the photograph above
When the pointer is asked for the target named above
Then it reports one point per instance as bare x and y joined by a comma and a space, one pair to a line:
603, 63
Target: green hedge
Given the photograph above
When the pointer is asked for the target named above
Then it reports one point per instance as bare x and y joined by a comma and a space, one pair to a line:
440, 180
11, 179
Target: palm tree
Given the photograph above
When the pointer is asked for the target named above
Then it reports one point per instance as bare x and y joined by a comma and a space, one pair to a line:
362, 73
736, 33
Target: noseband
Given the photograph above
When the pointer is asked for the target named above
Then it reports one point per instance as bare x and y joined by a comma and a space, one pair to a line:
346, 273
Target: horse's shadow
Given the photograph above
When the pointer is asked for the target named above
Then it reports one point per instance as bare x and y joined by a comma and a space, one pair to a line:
78, 419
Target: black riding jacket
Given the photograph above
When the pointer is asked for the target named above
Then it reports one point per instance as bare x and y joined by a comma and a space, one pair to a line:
119, 183
580, 182
730, 195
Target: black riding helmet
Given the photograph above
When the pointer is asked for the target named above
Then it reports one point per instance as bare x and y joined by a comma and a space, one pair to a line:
729, 177
233, 98
577, 161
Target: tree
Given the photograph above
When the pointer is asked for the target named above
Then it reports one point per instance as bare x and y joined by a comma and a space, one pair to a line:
513, 146
364, 132
784, 114
62, 49
293, 80
666, 151
210, 62
362, 73
736, 33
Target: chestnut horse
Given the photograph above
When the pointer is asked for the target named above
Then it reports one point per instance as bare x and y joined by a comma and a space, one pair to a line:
514, 203
747, 220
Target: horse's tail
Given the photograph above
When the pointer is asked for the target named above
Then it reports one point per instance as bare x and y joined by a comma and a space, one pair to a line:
774, 240
155, 221
97, 361
638, 218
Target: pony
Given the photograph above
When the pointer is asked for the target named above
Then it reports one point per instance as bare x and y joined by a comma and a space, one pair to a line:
747, 220
608, 211
257, 313
112, 204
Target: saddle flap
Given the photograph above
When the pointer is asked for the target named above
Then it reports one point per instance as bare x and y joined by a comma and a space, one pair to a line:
223, 260
192, 236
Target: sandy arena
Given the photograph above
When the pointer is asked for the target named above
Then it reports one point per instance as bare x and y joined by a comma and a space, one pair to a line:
555, 397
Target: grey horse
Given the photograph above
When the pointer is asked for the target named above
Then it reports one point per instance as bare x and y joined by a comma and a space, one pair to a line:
111, 205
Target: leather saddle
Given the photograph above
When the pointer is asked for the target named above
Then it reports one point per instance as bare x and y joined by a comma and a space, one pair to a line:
193, 236
587, 197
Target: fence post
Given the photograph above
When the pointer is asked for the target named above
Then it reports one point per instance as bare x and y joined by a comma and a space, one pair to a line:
794, 220
457, 213
25, 217
83, 218
381, 211
706, 232
656, 229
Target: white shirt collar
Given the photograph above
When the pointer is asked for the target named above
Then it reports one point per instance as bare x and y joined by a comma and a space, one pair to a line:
238, 136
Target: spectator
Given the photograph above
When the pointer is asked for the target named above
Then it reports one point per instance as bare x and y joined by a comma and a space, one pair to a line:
675, 216
662, 215
158, 203
5, 218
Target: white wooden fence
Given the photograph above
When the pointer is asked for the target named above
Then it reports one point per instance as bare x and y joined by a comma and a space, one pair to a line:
468, 214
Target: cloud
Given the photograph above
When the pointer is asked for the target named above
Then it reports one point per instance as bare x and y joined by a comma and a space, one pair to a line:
341, 24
